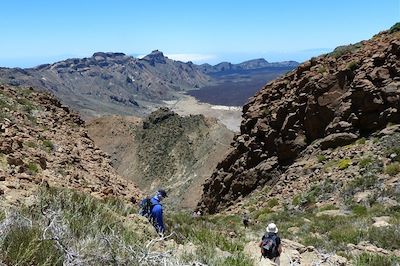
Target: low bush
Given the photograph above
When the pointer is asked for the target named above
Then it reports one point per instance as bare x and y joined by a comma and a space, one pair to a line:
392, 169
344, 163
375, 260
23, 246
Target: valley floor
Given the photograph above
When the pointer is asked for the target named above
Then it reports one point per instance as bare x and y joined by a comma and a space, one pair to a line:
188, 105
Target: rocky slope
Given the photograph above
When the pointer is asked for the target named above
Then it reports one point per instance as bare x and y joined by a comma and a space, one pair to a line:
43, 143
110, 83
334, 98
164, 149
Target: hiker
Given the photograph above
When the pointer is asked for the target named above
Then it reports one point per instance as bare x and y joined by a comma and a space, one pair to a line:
153, 210
245, 219
157, 211
270, 244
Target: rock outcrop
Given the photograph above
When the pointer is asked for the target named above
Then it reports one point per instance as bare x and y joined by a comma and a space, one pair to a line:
335, 97
43, 143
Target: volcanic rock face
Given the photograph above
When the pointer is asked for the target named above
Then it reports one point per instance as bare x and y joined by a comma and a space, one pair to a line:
43, 143
335, 97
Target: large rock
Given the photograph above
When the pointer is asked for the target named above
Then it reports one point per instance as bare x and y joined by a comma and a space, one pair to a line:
337, 139
330, 100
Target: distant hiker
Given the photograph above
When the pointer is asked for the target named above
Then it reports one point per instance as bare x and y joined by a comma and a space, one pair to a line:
271, 244
245, 219
153, 210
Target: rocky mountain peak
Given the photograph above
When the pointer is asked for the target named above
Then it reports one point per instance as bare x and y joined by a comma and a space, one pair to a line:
107, 55
154, 57
334, 98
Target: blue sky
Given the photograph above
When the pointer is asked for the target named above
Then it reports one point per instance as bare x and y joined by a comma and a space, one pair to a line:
43, 31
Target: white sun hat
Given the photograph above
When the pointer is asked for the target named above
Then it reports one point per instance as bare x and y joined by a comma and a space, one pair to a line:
271, 228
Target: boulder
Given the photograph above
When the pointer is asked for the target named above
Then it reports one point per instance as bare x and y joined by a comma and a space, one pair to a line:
337, 140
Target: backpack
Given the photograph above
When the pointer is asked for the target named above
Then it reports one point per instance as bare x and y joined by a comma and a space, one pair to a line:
145, 207
269, 247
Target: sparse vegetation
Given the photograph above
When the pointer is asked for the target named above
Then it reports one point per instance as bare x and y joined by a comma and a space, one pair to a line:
376, 260
365, 161
273, 202
209, 234
352, 66
345, 49
392, 169
33, 168
69, 227
322, 69
361, 141
344, 163
48, 145
395, 28
321, 158
360, 184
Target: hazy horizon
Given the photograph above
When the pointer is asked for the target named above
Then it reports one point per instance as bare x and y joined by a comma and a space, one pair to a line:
44, 31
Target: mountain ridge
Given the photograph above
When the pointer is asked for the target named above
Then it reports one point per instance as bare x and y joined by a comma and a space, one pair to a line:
113, 83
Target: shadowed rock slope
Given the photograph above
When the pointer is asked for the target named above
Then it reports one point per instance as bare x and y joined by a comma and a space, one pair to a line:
164, 150
333, 98
43, 143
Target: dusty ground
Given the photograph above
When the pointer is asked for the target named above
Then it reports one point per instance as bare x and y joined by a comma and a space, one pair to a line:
229, 116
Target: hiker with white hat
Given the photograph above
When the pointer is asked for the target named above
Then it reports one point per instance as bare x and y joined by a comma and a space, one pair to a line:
270, 244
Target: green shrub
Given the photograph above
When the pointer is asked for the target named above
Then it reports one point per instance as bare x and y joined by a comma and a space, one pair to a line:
346, 234
273, 202
328, 207
353, 65
361, 141
33, 168
48, 145
344, 163
321, 158
359, 210
30, 144
395, 28
362, 183
375, 260
365, 161
344, 49
23, 246
385, 237
296, 200
392, 169
393, 150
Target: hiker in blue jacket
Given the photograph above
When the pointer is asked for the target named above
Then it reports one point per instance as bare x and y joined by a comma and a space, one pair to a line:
157, 211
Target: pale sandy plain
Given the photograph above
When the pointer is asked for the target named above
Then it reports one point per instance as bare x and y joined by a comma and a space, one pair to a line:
230, 116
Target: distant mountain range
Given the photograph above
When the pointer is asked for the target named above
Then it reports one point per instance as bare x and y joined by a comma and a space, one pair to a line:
247, 65
114, 83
